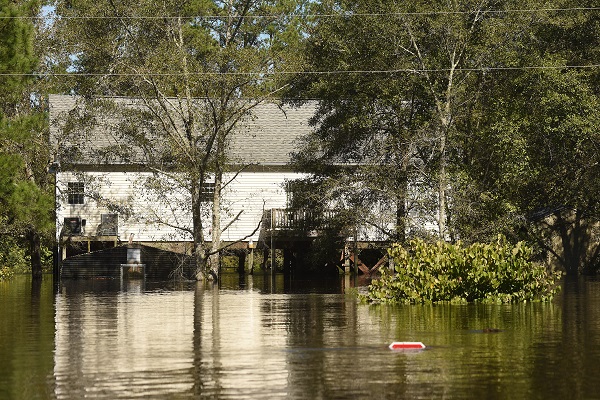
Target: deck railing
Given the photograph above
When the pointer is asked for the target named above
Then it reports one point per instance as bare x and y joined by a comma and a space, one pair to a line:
295, 220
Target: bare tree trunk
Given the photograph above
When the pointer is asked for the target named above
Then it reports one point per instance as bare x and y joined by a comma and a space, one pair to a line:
401, 208
198, 235
442, 183
32, 235
35, 253
215, 256
444, 101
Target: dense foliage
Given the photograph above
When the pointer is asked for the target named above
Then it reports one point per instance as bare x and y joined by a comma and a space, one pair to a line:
471, 115
443, 272
26, 196
15, 258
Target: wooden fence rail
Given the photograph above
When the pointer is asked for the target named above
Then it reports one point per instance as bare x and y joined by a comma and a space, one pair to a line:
295, 220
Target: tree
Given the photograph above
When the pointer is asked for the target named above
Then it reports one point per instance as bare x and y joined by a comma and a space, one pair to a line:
534, 153
476, 102
196, 69
25, 198
397, 79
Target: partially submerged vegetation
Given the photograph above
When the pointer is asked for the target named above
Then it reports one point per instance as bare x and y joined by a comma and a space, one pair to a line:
15, 259
444, 272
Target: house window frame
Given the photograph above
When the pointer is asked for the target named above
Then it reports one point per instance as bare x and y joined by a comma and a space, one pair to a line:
73, 226
109, 224
76, 193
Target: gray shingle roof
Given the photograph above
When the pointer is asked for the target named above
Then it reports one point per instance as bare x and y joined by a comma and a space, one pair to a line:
270, 135
266, 137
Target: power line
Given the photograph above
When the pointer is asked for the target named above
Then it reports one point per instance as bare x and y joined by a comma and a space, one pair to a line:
308, 15
273, 73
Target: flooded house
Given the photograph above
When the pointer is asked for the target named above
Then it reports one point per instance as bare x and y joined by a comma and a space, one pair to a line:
115, 186
108, 195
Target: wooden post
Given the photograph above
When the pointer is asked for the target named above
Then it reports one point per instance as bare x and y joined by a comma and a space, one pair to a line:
288, 261
251, 247
241, 261
272, 242
251, 261
56, 262
355, 251
273, 264
265, 259
346, 258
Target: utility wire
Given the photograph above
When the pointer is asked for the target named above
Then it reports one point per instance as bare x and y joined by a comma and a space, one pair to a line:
272, 73
52, 15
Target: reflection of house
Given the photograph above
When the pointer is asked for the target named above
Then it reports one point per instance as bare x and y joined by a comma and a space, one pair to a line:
122, 334
105, 196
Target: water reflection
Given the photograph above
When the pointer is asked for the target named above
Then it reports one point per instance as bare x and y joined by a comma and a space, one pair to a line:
119, 344
26, 339
264, 337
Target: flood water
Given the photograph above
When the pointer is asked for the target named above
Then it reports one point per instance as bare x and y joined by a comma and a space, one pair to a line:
268, 338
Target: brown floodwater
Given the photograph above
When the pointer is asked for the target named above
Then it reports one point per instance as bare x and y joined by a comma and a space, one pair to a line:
263, 337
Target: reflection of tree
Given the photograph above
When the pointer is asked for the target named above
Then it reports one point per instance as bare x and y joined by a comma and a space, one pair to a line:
320, 329
207, 338
112, 342
26, 332
78, 350
234, 356
306, 360
567, 355
257, 344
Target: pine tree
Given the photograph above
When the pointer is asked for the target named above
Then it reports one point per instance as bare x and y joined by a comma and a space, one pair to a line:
25, 198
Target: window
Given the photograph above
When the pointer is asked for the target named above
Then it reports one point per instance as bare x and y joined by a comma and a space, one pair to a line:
208, 191
72, 225
109, 225
75, 192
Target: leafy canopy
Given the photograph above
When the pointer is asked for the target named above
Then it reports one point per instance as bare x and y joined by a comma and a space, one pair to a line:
497, 272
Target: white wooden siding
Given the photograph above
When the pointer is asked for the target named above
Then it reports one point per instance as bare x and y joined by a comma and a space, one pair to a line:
140, 208
249, 193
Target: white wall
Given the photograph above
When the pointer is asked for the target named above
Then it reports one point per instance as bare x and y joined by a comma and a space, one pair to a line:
152, 214
140, 208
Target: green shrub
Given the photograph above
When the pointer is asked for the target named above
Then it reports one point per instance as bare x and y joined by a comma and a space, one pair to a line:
14, 258
6, 273
444, 272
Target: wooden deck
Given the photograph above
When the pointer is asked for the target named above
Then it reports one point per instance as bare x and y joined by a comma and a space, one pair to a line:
294, 223
293, 230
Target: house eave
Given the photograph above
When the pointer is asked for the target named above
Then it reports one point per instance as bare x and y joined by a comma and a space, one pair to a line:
138, 167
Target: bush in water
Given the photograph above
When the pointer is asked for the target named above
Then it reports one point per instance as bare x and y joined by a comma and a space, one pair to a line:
15, 260
443, 272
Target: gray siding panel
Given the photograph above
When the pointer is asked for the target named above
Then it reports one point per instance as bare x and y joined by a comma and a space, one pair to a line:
158, 264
